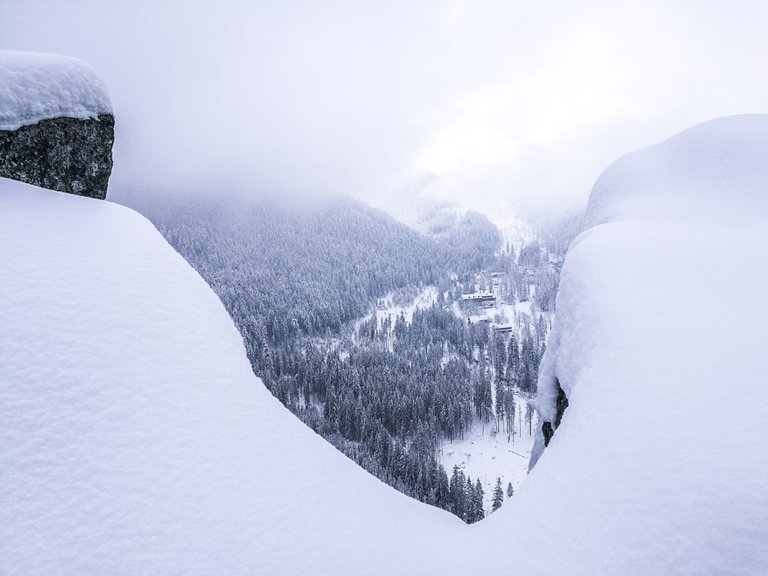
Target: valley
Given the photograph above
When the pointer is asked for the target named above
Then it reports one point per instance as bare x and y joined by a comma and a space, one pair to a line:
373, 334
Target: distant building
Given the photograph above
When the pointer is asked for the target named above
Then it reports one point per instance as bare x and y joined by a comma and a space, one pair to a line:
480, 297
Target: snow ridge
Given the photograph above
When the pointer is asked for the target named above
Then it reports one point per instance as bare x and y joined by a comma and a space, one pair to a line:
714, 171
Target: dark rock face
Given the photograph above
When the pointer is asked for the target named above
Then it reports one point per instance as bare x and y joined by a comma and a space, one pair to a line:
66, 154
547, 428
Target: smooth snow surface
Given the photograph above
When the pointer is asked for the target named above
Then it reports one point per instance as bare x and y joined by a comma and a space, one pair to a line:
644, 476
35, 86
135, 439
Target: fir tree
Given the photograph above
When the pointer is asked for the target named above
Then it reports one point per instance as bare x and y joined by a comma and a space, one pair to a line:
501, 402
456, 493
513, 360
470, 516
498, 496
478, 513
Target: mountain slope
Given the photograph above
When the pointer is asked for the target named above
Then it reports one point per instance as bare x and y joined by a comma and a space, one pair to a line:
294, 266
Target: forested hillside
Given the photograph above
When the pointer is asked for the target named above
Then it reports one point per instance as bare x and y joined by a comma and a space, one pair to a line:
302, 279
286, 270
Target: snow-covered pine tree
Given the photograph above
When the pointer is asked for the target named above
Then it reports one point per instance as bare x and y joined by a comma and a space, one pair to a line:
513, 360
456, 493
471, 507
477, 501
500, 402
498, 496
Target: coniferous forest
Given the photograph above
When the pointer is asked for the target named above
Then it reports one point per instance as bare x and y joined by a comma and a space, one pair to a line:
303, 282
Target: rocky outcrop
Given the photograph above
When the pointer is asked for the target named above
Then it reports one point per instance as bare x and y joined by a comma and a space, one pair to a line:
67, 154
548, 428
56, 123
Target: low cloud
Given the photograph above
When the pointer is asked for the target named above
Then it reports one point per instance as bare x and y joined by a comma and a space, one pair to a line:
497, 103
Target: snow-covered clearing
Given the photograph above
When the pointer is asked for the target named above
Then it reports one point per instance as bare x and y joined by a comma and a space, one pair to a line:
388, 309
487, 454
424, 299
500, 313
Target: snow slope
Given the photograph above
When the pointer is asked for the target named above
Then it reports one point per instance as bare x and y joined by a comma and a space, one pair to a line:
644, 354
36, 86
136, 440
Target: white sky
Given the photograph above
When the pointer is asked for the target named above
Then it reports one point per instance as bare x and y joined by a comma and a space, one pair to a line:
510, 103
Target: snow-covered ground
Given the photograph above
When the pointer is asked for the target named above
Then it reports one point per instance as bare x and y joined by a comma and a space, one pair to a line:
641, 476
488, 454
136, 440
135, 437
35, 86
505, 313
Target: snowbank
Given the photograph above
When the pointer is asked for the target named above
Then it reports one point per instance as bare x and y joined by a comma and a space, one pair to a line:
35, 86
660, 465
135, 438
714, 172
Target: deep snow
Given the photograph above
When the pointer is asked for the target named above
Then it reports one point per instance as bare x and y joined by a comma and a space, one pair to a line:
136, 439
36, 86
645, 356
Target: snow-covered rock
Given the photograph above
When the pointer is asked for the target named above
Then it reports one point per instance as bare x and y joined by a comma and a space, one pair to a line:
660, 464
36, 86
56, 123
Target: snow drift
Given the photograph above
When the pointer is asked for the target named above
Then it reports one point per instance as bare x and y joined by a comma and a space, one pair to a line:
136, 439
660, 464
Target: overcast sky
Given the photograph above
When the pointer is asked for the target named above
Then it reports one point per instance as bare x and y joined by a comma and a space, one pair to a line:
501, 103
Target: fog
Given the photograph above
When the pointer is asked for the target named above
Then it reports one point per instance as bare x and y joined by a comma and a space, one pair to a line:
494, 105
